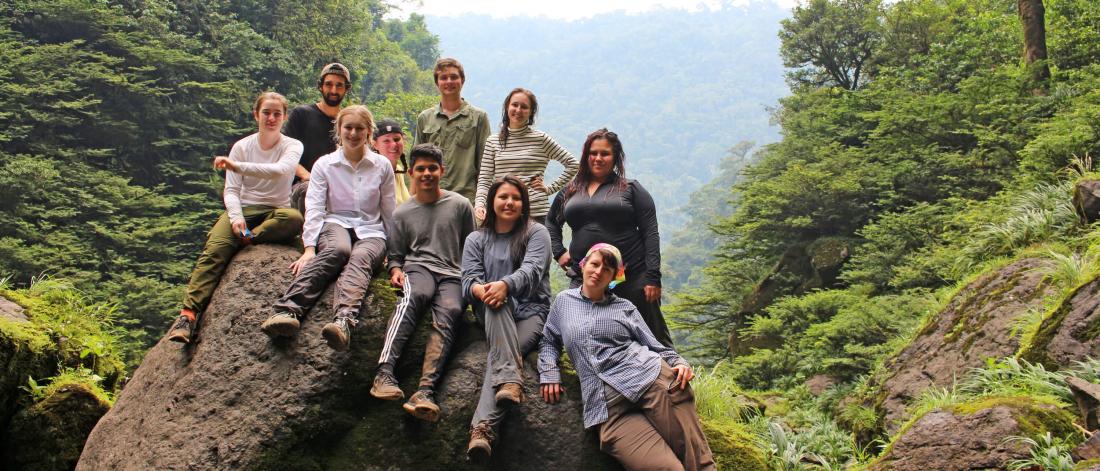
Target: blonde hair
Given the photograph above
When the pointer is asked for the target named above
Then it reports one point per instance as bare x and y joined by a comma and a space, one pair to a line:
358, 110
264, 96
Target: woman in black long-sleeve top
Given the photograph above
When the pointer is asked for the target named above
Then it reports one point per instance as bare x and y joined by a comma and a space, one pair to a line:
602, 205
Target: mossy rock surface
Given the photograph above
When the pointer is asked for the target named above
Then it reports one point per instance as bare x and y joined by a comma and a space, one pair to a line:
975, 325
972, 435
50, 434
25, 352
237, 400
1069, 332
734, 448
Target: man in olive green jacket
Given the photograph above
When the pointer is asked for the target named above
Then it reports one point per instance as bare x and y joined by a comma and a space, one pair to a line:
457, 127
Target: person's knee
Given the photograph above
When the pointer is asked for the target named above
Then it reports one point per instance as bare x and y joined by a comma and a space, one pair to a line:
289, 216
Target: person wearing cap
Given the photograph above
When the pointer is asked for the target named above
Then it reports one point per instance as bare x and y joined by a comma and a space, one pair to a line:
602, 205
519, 149
312, 124
457, 127
634, 389
389, 140
349, 211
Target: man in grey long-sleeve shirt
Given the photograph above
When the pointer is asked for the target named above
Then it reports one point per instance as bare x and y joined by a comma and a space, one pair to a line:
425, 250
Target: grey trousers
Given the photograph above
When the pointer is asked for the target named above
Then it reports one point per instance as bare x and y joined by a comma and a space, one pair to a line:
509, 341
298, 196
423, 289
339, 252
659, 432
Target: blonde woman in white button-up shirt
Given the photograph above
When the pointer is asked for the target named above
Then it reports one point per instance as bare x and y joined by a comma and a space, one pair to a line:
349, 206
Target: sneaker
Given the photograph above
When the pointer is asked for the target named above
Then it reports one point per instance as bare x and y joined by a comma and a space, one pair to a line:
481, 443
282, 324
338, 332
422, 406
182, 330
385, 387
509, 394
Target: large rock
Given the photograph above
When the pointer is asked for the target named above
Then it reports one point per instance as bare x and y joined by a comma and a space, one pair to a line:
1069, 333
972, 436
25, 352
1086, 200
50, 434
974, 326
237, 400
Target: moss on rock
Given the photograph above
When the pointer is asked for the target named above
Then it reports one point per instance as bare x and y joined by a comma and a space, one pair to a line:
733, 446
50, 434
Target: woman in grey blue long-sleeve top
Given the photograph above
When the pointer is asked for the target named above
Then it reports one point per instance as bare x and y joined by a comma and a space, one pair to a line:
505, 276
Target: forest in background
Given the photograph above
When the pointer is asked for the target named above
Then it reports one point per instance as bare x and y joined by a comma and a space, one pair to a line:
112, 111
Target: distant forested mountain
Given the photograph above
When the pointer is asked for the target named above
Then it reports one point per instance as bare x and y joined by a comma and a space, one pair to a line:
680, 88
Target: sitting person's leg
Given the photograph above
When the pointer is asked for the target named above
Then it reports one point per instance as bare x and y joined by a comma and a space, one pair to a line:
446, 315
277, 225
221, 245
334, 249
631, 439
673, 416
418, 291
351, 289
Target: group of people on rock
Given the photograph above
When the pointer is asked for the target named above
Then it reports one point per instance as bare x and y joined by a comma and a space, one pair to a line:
474, 224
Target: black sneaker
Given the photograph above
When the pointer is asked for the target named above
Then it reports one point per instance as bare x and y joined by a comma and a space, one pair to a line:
422, 406
182, 330
481, 443
338, 332
385, 387
282, 324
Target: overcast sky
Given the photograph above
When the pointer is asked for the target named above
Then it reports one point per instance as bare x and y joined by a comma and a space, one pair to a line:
561, 9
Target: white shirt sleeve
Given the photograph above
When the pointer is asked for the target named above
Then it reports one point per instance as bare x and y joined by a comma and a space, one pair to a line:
233, 182
316, 198
282, 168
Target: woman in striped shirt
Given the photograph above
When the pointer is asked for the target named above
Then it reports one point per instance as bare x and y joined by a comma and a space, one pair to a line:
522, 151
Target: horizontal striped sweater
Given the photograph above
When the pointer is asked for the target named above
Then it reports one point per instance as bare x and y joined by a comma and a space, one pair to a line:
526, 156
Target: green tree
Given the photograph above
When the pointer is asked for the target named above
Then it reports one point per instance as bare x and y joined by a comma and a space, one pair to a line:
830, 42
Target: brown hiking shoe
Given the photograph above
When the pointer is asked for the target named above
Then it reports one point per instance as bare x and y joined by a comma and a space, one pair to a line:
509, 394
338, 332
481, 443
385, 387
282, 324
182, 330
422, 406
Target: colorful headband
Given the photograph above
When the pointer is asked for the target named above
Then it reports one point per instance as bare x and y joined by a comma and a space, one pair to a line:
620, 275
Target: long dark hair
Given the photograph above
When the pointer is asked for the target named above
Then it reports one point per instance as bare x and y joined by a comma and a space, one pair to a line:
518, 248
584, 173
502, 137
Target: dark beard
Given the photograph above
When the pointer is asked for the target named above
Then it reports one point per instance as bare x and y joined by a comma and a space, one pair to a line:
330, 102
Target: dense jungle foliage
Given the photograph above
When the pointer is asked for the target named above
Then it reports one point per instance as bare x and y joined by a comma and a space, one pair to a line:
113, 109
919, 142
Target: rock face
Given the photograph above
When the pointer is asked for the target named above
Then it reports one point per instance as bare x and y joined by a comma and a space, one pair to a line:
1086, 200
237, 400
975, 325
10, 310
972, 436
1068, 334
50, 434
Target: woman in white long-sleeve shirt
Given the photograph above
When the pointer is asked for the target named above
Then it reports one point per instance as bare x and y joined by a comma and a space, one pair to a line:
259, 172
349, 208
522, 151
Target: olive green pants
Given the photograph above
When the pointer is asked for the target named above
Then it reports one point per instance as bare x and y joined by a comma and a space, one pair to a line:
268, 225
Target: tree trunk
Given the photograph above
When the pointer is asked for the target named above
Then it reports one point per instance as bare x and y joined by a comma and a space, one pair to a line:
1035, 41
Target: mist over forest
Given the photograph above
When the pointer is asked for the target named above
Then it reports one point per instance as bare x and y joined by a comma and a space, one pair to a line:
681, 88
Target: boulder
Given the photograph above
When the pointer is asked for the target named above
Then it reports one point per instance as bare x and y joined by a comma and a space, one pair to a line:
974, 325
11, 310
235, 399
25, 352
50, 434
972, 435
1086, 200
1068, 334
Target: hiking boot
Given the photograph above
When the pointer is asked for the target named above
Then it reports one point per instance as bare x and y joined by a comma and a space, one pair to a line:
481, 443
182, 330
509, 394
385, 387
422, 406
338, 332
282, 324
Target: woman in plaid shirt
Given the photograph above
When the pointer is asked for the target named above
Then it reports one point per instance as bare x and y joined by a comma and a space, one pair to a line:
633, 387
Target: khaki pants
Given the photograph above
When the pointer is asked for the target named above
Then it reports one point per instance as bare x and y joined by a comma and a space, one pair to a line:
659, 432
268, 225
